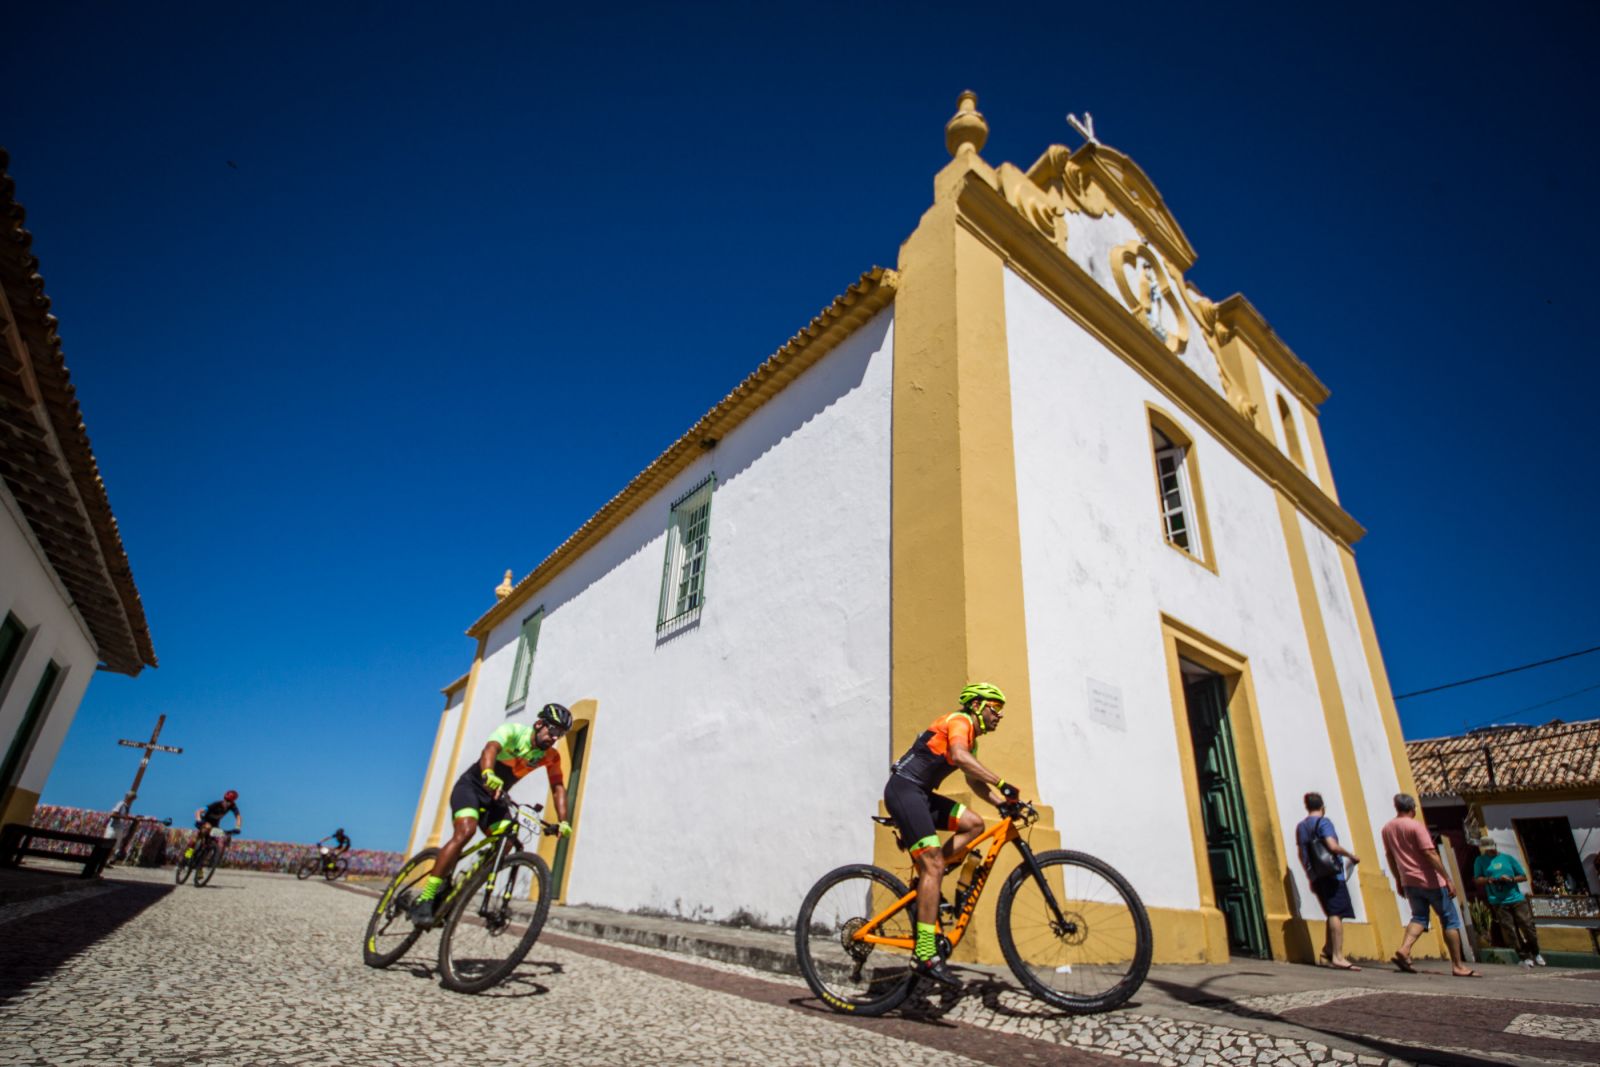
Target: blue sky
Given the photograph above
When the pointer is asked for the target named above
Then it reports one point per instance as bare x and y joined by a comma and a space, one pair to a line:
472, 270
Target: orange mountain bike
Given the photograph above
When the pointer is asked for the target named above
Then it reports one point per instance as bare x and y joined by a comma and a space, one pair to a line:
1072, 929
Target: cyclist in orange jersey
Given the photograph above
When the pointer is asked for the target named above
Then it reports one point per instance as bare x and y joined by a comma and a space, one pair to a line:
919, 813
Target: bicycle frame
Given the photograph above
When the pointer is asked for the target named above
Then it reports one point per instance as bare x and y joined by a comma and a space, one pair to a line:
998, 835
501, 840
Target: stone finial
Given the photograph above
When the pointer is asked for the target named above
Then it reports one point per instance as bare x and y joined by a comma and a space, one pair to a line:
503, 590
966, 131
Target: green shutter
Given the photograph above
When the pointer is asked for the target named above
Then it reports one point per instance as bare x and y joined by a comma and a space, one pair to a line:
522, 669
683, 572
11, 634
28, 731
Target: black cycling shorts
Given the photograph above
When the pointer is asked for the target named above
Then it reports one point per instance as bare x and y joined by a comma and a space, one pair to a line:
917, 813
471, 799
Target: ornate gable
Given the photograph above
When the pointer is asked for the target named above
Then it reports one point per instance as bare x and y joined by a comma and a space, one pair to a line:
1096, 179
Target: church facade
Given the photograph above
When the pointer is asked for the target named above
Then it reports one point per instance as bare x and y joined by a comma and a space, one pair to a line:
1031, 454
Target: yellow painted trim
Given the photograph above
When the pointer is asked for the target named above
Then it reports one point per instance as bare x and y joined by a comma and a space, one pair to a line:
18, 806
1241, 316
1018, 243
956, 608
1255, 785
1377, 894
1164, 421
1319, 452
1291, 433
848, 313
441, 818
427, 775
584, 713
1380, 674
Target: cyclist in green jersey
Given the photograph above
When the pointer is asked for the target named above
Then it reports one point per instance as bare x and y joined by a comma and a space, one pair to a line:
514, 751
919, 813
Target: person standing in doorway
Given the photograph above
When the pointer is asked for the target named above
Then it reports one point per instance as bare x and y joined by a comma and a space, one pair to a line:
1329, 886
1499, 876
1420, 877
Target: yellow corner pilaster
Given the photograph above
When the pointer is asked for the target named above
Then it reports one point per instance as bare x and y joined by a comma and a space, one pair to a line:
441, 818
1382, 912
1319, 451
427, 775
957, 599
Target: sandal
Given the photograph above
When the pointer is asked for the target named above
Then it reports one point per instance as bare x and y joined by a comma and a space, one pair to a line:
1469, 974
1403, 962
1343, 966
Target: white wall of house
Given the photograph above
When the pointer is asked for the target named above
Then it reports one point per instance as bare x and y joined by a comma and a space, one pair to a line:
437, 787
1098, 575
765, 725
1584, 815
30, 591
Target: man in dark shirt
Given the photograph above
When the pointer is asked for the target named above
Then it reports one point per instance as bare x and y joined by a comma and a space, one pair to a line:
207, 818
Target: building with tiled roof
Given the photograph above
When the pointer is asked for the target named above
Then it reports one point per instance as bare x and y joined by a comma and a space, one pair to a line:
1032, 453
68, 603
1536, 791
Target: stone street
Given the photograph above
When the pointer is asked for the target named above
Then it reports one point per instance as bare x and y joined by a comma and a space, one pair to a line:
257, 970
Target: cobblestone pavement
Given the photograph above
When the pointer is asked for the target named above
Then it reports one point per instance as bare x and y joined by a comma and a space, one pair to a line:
260, 971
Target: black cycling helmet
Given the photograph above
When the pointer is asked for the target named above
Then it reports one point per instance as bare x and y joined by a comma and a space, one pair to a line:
339, 832
555, 716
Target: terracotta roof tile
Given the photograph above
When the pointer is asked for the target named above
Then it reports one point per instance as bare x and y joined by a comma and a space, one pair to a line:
1508, 759
48, 464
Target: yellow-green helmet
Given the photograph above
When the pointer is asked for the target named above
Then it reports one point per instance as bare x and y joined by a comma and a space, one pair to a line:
981, 691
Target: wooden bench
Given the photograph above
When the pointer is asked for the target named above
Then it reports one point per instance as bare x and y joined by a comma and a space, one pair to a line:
17, 841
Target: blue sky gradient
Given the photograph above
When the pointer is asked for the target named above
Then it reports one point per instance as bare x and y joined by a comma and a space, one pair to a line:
472, 270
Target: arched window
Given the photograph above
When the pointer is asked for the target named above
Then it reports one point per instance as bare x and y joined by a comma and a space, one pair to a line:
1291, 438
1179, 496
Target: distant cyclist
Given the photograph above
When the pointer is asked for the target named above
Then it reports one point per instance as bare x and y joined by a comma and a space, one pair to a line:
341, 843
919, 813
207, 818
514, 751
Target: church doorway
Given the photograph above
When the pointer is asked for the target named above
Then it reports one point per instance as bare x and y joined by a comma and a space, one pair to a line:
577, 744
1236, 884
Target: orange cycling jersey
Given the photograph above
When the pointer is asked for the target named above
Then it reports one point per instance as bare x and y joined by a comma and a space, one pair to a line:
929, 761
519, 756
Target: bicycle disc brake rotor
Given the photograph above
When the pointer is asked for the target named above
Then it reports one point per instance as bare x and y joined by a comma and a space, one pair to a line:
496, 915
1073, 931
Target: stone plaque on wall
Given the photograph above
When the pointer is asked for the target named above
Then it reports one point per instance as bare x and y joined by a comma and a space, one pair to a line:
1105, 705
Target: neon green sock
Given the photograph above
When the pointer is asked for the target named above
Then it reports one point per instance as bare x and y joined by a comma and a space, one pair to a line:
188, 853
430, 888
927, 945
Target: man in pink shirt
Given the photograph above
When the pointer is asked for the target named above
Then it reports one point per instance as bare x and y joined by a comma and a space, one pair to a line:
1420, 877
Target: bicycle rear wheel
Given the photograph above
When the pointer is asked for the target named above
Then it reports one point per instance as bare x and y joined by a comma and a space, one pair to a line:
334, 871
482, 943
849, 975
390, 931
205, 863
1098, 956
308, 868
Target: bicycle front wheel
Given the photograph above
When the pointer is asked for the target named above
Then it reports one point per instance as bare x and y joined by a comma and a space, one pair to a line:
493, 924
307, 869
857, 977
205, 864
185, 865
1091, 957
390, 931
334, 871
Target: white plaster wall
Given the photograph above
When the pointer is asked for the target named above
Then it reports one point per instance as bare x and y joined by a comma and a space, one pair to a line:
1584, 815
1090, 242
1275, 388
1097, 577
436, 787
30, 591
765, 727
1380, 781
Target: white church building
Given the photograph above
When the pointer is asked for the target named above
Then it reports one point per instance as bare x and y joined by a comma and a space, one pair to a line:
1031, 454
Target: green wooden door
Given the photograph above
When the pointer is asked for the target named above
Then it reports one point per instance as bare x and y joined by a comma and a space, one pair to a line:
1234, 879
576, 743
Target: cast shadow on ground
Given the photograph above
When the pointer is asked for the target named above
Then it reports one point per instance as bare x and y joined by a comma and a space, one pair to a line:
1197, 996
523, 982
34, 947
